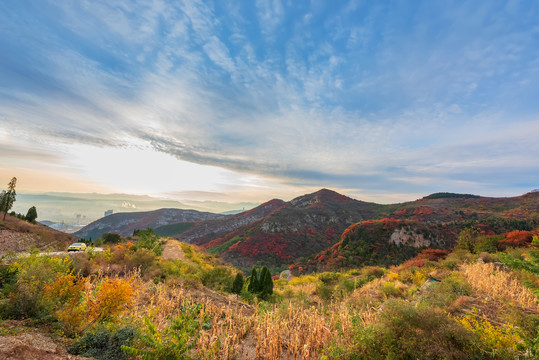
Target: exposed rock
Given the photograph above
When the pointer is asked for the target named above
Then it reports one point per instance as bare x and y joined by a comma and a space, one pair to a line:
285, 275
404, 236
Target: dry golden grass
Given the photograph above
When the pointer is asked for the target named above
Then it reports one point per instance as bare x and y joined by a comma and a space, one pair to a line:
304, 333
292, 332
223, 339
299, 333
487, 279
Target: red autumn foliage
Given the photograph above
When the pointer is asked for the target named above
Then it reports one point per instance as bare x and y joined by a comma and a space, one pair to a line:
424, 210
417, 262
516, 238
424, 256
400, 212
262, 244
215, 242
433, 254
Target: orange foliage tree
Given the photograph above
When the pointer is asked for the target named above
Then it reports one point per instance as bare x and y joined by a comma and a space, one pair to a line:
516, 238
64, 298
111, 297
77, 306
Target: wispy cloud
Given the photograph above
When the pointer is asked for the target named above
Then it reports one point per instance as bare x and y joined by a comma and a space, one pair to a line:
351, 95
270, 16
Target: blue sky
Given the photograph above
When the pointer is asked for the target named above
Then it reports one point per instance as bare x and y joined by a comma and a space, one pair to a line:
248, 100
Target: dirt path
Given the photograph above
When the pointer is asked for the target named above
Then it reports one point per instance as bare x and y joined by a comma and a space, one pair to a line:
172, 250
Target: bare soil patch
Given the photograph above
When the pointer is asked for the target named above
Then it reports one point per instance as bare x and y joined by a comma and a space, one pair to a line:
30, 344
172, 250
17, 235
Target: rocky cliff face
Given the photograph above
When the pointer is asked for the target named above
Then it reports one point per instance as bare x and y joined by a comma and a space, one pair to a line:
382, 242
408, 236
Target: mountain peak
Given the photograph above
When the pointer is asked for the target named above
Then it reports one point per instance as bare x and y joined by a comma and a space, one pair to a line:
330, 194
320, 196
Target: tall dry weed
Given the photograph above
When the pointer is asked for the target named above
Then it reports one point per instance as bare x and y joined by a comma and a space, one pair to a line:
221, 340
305, 333
496, 283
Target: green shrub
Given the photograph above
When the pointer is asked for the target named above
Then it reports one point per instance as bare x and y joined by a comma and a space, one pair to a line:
103, 343
406, 332
514, 259
456, 257
8, 278
455, 285
448, 290
142, 258
148, 240
247, 296
33, 273
527, 326
487, 244
390, 290
217, 278
111, 238
329, 278
324, 291
145, 232
373, 271
347, 284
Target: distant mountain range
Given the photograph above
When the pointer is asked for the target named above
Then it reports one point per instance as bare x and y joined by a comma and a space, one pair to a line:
60, 207
325, 229
125, 223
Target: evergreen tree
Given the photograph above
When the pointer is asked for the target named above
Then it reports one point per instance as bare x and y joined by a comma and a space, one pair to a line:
253, 282
8, 197
238, 284
31, 215
266, 282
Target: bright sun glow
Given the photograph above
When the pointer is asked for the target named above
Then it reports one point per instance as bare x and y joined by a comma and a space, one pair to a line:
141, 169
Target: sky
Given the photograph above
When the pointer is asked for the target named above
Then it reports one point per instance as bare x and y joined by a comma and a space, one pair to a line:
384, 101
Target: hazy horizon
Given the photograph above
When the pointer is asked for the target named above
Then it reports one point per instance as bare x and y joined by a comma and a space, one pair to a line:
246, 101
64, 206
